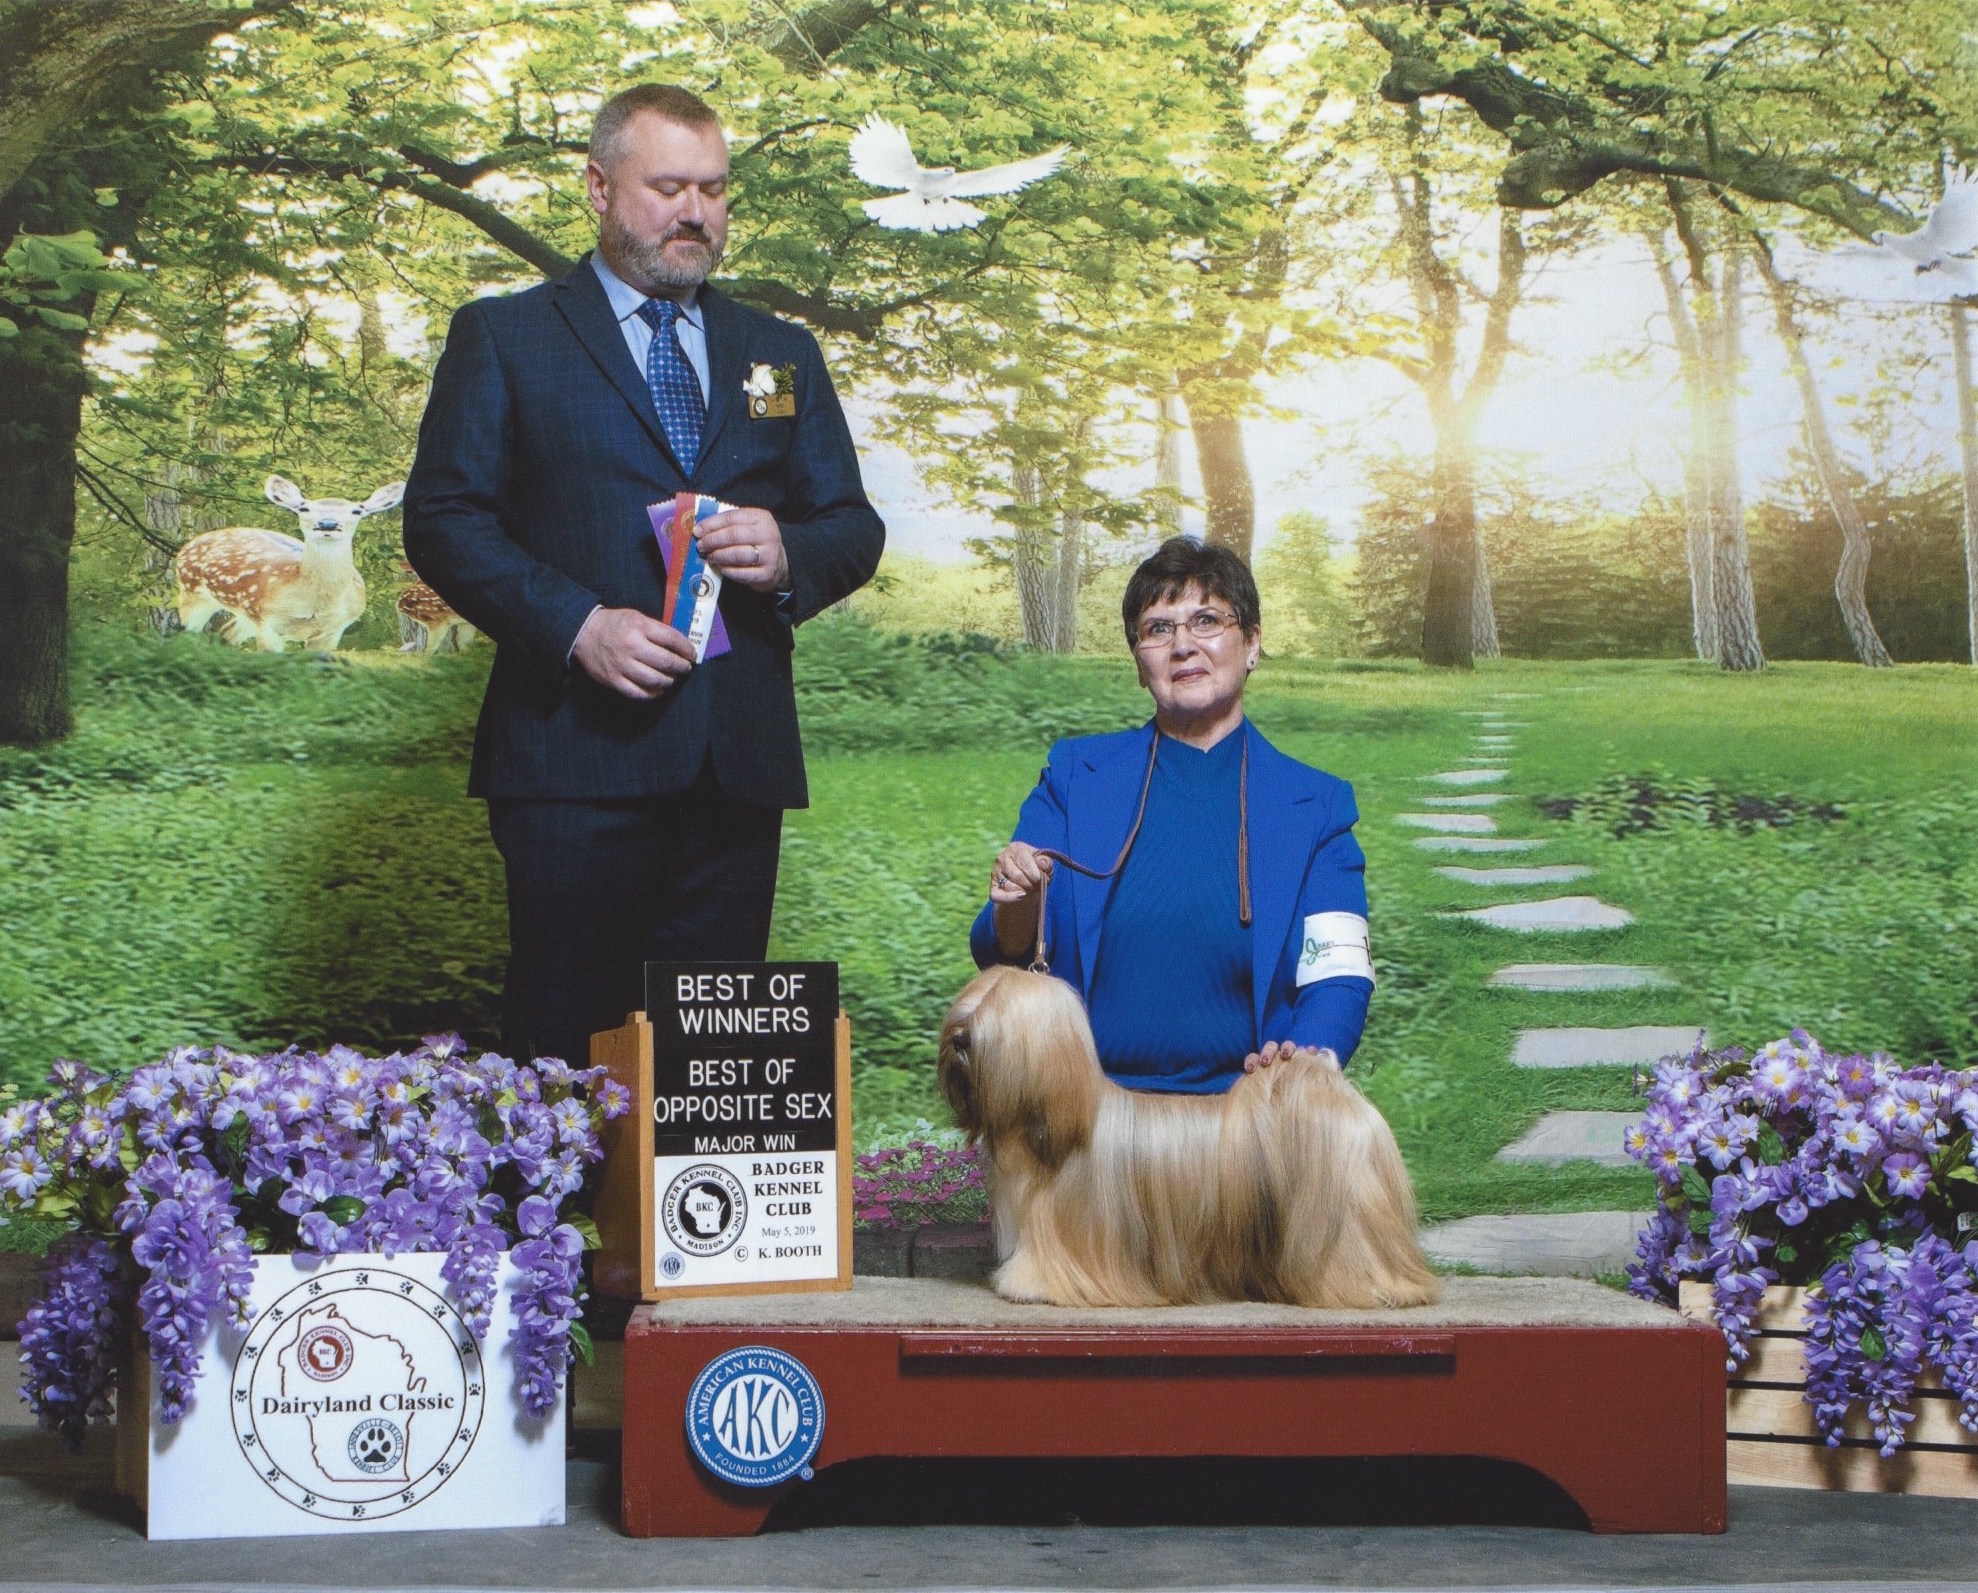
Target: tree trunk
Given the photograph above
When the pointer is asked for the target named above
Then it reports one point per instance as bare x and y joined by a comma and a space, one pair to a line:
1851, 578
1483, 614
1696, 465
1967, 445
1449, 605
1170, 420
1066, 580
1029, 557
1228, 496
41, 392
1730, 564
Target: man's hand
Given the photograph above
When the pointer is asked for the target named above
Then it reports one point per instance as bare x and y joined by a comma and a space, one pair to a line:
634, 654
1284, 1051
746, 546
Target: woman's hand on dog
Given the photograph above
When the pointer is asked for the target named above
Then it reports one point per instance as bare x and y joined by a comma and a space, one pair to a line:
1284, 1051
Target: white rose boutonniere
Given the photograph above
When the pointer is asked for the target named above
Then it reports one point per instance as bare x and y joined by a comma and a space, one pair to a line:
771, 391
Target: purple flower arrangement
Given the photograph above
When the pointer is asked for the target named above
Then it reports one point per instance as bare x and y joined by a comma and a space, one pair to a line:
176, 1178
1843, 1173
900, 1186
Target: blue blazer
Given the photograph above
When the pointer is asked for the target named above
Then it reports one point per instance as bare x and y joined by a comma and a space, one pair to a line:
1303, 860
526, 507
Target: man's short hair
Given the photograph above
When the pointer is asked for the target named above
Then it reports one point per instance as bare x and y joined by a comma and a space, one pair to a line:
662, 99
1182, 562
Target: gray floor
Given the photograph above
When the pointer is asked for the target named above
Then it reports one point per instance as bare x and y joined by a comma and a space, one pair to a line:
62, 1530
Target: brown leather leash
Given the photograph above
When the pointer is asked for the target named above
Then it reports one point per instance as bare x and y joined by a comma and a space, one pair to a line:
1039, 963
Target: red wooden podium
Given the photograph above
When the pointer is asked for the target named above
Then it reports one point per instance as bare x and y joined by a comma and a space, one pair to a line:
1619, 1403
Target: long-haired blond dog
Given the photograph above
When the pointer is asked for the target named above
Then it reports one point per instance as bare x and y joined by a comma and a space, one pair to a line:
1287, 1188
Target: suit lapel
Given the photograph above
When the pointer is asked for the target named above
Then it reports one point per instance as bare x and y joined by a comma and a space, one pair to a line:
725, 358
1282, 817
580, 297
1101, 813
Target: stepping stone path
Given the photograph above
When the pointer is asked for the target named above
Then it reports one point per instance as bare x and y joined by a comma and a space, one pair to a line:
1574, 1244
1568, 976
1587, 1048
1560, 1137
1450, 823
1552, 874
1557, 914
1469, 776
1581, 1243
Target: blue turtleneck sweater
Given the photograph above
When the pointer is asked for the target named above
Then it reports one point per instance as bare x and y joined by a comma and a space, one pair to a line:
1171, 985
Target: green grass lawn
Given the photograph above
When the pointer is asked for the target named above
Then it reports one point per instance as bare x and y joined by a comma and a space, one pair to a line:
261, 850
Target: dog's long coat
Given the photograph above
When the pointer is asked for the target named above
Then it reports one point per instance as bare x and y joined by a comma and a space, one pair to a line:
1289, 1187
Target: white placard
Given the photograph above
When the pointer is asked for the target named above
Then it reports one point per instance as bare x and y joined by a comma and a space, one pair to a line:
770, 1217
356, 1401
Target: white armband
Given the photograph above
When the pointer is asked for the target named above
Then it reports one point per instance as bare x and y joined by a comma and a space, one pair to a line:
1335, 946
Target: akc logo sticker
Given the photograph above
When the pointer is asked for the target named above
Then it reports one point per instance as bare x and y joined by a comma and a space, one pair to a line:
755, 1417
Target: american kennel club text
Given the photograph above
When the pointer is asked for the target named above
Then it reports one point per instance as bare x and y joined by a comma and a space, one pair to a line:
745, 1123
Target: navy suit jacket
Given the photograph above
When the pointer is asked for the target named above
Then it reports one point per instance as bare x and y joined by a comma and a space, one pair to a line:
1304, 863
526, 507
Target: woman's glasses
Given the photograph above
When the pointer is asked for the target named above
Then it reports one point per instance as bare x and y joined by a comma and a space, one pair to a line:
1205, 625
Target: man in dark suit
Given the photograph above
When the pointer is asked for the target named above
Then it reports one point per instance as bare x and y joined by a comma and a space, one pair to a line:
636, 797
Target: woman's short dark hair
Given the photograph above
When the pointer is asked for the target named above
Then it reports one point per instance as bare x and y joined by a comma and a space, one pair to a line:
1182, 562
667, 100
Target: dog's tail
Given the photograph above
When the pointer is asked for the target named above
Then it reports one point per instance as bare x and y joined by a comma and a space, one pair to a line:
1345, 1206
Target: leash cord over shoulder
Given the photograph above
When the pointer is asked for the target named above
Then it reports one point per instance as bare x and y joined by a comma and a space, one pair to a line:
1040, 963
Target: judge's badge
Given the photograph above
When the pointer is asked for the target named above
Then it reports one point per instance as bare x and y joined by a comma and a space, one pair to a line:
771, 391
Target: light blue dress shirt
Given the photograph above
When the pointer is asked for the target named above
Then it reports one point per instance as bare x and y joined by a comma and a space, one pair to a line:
625, 301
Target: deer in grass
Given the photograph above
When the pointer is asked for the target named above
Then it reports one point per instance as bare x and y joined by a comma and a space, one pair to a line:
275, 589
426, 624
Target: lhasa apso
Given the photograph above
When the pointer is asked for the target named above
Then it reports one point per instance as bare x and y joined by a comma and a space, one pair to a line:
1288, 1188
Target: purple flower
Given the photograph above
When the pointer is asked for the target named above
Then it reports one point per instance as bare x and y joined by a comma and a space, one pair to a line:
24, 1173
1907, 1175
72, 1335
337, 1153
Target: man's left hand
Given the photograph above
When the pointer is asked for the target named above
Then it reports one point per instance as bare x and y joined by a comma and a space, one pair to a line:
1284, 1051
746, 546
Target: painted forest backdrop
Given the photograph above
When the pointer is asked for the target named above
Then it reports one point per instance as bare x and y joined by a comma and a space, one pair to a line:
1515, 329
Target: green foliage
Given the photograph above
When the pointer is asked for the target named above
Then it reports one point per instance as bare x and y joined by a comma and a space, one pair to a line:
39, 273
1566, 581
1301, 579
1915, 570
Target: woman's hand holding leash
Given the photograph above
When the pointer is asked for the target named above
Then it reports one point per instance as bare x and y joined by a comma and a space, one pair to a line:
1016, 884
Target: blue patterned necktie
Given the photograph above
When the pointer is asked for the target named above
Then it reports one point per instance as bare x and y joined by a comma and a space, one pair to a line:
676, 390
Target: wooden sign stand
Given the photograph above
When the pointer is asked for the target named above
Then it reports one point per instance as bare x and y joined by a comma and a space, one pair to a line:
626, 1267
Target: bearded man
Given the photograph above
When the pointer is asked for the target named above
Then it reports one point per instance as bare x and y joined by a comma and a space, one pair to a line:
636, 797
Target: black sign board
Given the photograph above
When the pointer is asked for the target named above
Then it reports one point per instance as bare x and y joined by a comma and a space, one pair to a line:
744, 1057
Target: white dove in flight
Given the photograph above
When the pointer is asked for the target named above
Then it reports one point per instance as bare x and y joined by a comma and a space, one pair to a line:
1927, 266
882, 156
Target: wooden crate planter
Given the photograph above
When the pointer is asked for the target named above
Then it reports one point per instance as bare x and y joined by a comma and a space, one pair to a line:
1773, 1440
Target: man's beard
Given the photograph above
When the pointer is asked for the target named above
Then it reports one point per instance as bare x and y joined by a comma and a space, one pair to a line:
648, 265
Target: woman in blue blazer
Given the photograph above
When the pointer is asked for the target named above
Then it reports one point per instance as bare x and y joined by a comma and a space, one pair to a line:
1230, 928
